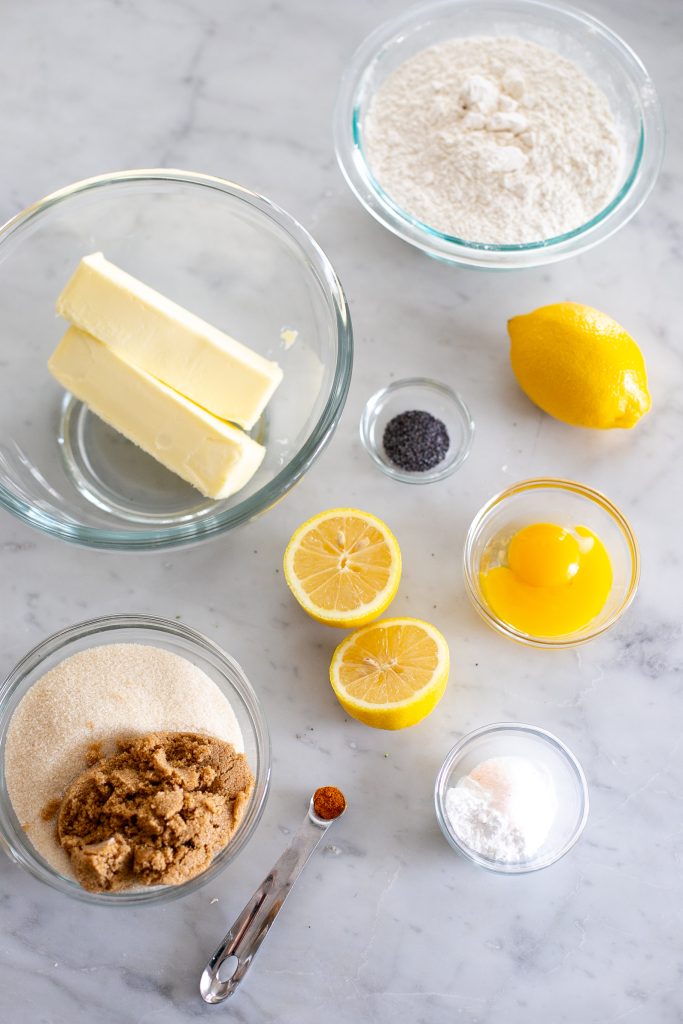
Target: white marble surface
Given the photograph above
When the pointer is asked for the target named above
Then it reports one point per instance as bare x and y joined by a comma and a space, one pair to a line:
387, 924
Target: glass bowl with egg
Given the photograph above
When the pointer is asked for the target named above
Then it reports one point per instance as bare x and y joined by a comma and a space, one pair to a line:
511, 798
96, 682
369, 158
226, 255
551, 563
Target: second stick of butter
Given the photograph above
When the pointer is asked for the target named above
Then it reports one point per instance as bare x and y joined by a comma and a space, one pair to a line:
165, 340
215, 457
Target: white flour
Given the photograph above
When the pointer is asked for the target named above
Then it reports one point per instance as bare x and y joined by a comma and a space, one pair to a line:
503, 809
494, 140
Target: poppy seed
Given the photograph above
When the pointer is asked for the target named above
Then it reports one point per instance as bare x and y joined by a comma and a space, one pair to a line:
415, 441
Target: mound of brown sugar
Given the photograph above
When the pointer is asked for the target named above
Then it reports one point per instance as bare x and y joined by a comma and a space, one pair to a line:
154, 814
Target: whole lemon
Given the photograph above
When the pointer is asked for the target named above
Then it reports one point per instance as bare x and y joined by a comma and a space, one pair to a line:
579, 365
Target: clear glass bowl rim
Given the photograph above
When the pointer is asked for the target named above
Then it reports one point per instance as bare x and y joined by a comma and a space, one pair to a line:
441, 786
22, 853
270, 493
619, 210
433, 475
555, 483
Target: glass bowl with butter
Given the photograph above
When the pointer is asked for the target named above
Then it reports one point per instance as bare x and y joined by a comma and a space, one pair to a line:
198, 365
89, 685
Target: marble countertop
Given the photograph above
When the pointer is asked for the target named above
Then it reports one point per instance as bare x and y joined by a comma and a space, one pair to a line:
387, 923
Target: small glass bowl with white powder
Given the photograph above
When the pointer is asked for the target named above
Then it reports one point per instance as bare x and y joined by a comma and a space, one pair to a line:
98, 680
511, 798
498, 133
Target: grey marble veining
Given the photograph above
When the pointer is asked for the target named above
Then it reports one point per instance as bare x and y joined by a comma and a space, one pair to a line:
386, 923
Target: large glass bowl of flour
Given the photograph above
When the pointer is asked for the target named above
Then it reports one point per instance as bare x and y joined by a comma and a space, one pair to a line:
222, 252
386, 121
226, 682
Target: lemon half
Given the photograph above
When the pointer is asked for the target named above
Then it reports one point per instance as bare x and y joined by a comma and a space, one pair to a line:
343, 567
392, 673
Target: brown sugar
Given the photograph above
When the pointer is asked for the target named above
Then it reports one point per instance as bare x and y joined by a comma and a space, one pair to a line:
154, 814
94, 752
50, 809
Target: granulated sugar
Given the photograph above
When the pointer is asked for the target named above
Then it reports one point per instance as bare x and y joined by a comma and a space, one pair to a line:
493, 140
96, 697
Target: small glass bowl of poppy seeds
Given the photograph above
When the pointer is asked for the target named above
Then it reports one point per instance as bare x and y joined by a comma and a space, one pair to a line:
417, 430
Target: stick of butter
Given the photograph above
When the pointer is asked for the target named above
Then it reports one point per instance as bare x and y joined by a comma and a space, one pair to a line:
168, 342
215, 457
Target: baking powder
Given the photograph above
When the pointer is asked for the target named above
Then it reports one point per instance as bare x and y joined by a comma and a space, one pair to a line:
504, 809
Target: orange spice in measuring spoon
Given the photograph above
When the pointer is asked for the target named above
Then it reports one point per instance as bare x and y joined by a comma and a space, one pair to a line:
328, 803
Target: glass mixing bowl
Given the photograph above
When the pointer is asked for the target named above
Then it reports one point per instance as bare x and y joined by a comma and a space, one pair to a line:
226, 254
578, 37
508, 739
179, 640
568, 504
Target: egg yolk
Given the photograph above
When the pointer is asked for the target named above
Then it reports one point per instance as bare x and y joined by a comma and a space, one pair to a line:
554, 583
544, 555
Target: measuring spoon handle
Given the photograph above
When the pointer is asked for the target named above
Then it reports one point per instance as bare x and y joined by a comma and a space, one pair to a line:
252, 925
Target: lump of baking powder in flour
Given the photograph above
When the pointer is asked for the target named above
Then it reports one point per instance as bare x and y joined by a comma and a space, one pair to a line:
507, 122
480, 94
512, 83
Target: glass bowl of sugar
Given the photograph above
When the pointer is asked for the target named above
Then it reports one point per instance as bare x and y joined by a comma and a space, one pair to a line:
511, 798
85, 687
498, 133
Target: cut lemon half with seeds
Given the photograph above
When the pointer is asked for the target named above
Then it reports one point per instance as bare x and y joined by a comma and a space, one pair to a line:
392, 673
343, 567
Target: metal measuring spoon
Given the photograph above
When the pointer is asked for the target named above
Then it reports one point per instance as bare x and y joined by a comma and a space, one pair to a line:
251, 927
